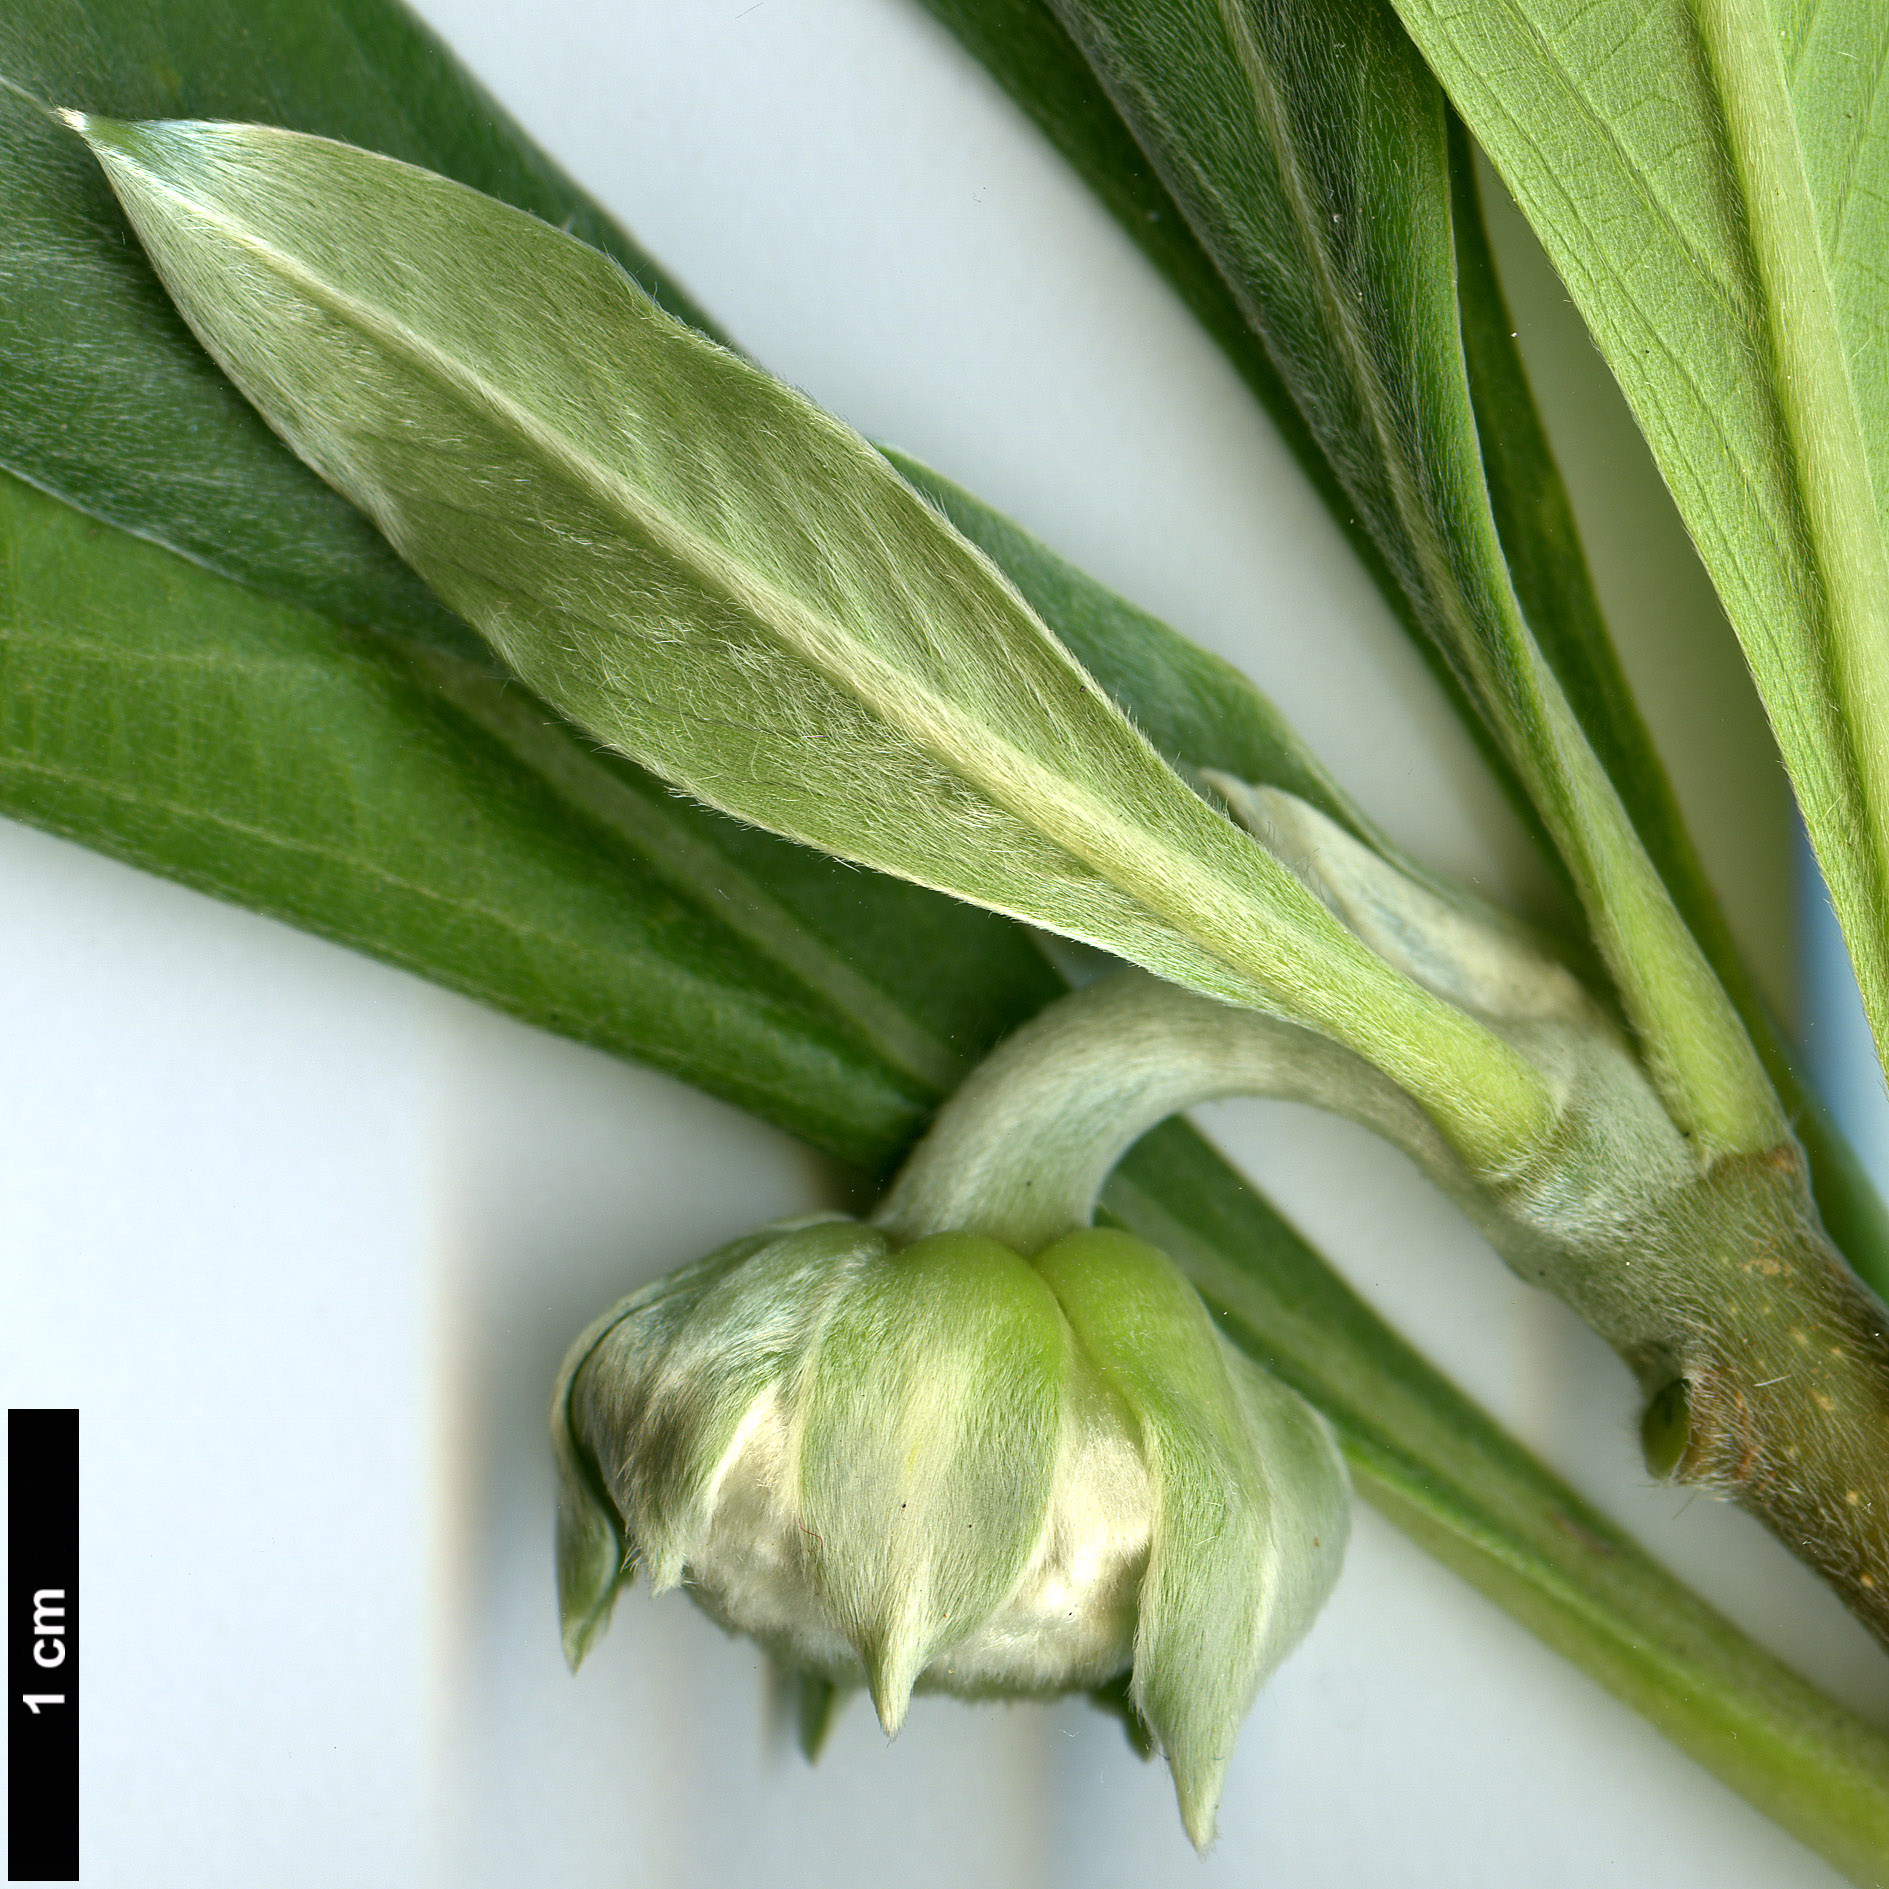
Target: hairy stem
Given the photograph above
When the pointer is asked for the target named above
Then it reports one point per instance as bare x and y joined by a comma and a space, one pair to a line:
1436, 1466
1765, 1361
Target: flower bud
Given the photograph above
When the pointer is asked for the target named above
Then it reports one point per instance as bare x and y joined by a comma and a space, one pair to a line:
953, 1467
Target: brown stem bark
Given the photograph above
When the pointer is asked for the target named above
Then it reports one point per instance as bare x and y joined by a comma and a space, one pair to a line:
1776, 1383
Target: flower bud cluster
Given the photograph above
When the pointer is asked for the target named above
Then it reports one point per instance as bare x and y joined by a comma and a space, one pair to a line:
950, 1466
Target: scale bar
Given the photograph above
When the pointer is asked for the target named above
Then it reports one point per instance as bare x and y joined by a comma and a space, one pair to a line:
43, 1646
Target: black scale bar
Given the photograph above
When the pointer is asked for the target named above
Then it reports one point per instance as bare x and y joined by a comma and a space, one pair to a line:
43, 1646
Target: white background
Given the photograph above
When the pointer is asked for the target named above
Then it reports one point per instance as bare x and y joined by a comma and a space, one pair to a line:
305, 1238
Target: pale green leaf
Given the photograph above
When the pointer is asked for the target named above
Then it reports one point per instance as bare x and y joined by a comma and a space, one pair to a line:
702, 569
1725, 256
1836, 62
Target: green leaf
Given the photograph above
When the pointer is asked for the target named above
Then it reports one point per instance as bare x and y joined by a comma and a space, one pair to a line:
170, 424
705, 571
1834, 55
267, 755
1693, 171
1313, 165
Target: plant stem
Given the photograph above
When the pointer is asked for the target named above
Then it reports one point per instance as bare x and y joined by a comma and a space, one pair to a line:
1439, 1468
1021, 1152
1765, 1360
1777, 1390
1025, 1147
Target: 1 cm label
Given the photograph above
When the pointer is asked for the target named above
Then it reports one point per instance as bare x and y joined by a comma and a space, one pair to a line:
49, 1643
